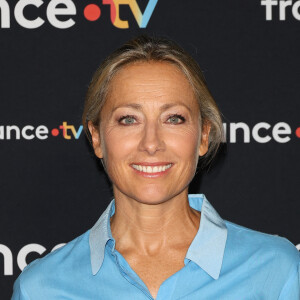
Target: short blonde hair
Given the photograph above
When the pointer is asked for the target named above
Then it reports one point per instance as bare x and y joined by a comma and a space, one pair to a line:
145, 48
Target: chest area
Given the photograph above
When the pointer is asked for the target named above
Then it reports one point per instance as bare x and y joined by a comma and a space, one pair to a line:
154, 272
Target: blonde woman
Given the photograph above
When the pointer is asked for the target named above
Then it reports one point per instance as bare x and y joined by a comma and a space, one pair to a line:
150, 117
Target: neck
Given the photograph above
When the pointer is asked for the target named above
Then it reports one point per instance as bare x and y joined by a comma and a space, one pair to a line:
152, 228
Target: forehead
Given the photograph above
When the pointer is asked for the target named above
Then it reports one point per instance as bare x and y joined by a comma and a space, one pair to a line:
150, 83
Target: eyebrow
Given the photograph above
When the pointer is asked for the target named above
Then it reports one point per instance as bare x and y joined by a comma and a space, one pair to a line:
162, 108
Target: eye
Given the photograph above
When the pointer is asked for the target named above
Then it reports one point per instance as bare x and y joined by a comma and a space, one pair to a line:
127, 120
176, 119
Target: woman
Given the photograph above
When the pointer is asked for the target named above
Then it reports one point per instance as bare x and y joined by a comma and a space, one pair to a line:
150, 117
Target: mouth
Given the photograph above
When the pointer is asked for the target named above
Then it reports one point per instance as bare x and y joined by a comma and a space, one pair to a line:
151, 169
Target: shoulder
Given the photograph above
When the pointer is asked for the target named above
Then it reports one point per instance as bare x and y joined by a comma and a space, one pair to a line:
267, 264
60, 266
61, 258
268, 247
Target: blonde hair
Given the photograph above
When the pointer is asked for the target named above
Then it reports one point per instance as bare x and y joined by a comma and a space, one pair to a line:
145, 48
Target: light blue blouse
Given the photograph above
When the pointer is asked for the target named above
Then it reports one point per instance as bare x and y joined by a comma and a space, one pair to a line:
225, 261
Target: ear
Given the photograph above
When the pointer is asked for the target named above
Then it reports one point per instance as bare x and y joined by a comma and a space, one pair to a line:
204, 138
95, 139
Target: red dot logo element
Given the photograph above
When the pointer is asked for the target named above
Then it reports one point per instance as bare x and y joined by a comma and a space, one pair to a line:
55, 132
298, 132
92, 12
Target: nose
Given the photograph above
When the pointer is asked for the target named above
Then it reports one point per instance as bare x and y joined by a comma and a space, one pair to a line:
152, 138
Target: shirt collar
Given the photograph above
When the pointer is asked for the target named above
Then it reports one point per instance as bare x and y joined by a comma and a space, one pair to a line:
206, 250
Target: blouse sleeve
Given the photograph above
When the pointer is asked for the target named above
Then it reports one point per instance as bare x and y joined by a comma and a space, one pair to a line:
291, 289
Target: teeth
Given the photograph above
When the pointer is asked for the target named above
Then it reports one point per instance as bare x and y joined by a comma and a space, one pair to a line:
148, 169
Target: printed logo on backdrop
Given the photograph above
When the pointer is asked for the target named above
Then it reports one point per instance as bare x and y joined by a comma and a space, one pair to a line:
261, 132
40, 132
281, 9
8, 257
68, 10
240, 132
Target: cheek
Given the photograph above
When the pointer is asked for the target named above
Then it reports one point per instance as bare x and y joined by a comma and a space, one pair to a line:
118, 145
185, 143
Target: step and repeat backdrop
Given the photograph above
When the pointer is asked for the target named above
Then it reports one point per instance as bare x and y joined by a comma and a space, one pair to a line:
54, 189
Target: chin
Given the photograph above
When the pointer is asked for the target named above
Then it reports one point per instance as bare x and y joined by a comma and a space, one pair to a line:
152, 196
151, 200
150, 193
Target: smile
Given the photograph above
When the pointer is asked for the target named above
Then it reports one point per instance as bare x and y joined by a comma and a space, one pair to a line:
149, 169
153, 170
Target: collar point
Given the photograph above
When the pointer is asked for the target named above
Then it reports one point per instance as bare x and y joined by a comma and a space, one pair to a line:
215, 275
95, 270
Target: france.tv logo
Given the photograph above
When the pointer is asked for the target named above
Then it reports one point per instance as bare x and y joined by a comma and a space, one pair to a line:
60, 13
40, 132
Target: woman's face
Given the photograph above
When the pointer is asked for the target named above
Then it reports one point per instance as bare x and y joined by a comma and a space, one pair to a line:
150, 135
